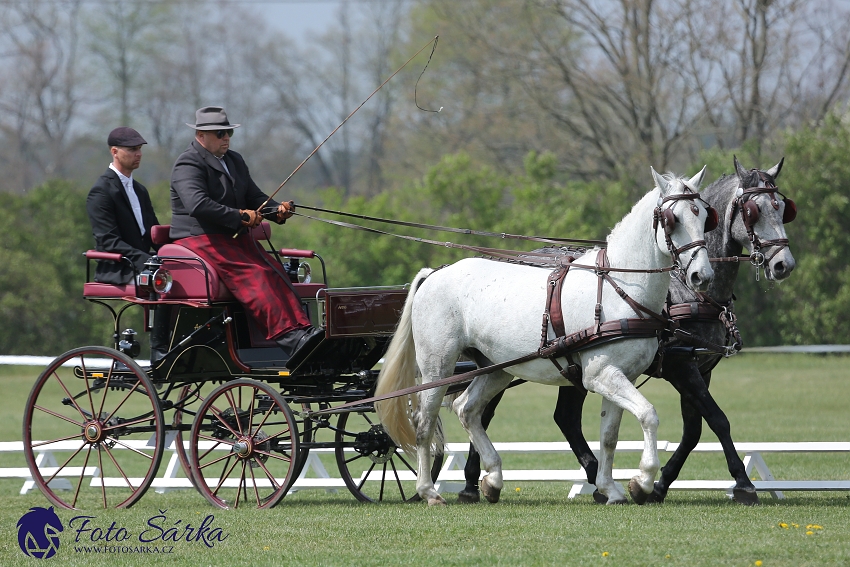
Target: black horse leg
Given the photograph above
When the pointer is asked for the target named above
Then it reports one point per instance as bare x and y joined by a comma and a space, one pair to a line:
472, 470
568, 417
697, 403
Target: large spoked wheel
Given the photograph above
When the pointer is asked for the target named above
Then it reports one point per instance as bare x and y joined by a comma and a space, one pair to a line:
94, 430
373, 468
242, 445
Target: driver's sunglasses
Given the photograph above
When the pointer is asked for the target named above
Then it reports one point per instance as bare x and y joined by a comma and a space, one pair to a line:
220, 133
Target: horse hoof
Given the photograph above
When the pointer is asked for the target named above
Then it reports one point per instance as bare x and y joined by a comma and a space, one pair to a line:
468, 497
637, 493
436, 501
490, 493
657, 496
599, 498
745, 496
622, 502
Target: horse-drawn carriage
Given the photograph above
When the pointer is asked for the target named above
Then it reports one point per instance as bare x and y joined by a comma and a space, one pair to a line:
241, 414
246, 440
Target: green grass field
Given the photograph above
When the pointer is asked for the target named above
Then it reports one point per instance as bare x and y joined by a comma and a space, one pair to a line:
767, 398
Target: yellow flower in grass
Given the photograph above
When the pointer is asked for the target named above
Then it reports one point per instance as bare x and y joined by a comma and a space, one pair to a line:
814, 527
758, 563
517, 488
783, 525
796, 525
604, 554
810, 532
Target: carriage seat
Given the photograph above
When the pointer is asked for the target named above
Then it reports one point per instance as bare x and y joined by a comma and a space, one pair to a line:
190, 277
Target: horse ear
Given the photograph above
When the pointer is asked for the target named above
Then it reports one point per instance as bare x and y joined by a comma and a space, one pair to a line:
739, 169
774, 171
660, 182
697, 179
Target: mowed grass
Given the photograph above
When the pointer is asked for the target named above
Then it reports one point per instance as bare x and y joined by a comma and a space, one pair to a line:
766, 397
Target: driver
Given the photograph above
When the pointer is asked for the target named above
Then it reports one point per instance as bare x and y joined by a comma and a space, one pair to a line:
212, 198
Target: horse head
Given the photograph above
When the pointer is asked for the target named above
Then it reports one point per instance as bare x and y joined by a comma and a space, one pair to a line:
757, 219
684, 218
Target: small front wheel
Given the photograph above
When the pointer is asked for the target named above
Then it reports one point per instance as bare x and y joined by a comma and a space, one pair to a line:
244, 443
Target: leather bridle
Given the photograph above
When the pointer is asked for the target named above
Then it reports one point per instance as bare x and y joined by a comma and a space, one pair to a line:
666, 218
750, 214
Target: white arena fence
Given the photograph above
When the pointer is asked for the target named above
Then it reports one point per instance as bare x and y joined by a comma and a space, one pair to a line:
316, 476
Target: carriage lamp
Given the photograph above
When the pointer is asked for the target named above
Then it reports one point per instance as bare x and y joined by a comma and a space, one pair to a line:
162, 281
153, 278
128, 343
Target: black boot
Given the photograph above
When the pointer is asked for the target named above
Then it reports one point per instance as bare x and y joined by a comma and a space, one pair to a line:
300, 339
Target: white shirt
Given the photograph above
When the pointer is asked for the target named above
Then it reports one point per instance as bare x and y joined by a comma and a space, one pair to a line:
131, 195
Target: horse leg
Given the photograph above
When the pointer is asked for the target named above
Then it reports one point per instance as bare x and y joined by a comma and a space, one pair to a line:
568, 418
619, 392
426, 421
698, 403
469, 407
609, 432
472, 470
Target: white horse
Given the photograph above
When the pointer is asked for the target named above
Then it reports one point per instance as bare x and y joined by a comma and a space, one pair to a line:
491, 312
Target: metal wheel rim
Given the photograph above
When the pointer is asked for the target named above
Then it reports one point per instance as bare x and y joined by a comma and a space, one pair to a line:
94, 419
239, 457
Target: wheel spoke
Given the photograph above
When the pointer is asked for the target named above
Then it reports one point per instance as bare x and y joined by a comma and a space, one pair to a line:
133, 449
68, 460
70, 397
229, 396
274, 456
216, 460
224, 476
397, 479
105, 390
365, 476
88, 390
67, 438
80, 480
130, 393
403, 460
128, 423
269, 475
59, 415
102, 484
256, 489
117, 466
217, 414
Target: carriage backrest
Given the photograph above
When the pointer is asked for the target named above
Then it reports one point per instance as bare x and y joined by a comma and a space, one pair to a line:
161, 233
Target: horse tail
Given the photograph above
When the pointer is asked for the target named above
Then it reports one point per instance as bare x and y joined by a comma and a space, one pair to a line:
399, 371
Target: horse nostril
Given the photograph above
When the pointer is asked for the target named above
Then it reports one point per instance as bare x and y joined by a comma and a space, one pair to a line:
779, 268
696, 280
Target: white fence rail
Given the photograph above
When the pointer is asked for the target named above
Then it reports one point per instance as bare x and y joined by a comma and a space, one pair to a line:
316, 476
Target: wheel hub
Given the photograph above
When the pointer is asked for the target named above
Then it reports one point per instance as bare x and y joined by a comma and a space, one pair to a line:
375, 444
243, 448
93, 432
